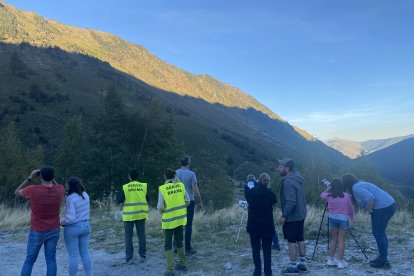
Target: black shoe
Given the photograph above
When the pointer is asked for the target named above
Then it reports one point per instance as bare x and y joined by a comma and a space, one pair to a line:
180, 267
302, 268
189, 252
276, 246
381, 264
290, 270
374, 260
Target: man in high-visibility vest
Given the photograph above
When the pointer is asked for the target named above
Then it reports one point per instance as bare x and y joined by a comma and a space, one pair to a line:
172, 204
134, 202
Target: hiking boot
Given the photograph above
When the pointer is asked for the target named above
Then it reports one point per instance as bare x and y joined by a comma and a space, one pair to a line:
342, 264
142, 259
302, 268
180, 267
189, 252
331, 261
276, 246
381, 264
290, 270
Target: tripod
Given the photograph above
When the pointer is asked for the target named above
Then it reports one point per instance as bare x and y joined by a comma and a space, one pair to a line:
327, 226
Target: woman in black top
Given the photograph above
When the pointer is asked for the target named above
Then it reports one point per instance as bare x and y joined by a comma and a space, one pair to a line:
260, 224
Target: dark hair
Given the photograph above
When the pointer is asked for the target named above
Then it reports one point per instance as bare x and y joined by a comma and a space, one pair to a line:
75, 186
185, 161
133, 174
337, 188
47, 173
169, 173
349, 181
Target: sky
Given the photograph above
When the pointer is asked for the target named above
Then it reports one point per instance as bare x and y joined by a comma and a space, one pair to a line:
342, 68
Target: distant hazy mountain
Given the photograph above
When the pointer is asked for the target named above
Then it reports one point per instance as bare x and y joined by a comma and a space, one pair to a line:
396, 163
72, 68
349, 148
354, 149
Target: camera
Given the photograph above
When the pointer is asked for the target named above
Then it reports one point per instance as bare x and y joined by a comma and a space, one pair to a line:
38, 173
325, 183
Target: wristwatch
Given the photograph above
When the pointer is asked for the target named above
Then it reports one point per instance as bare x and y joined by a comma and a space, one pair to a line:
29, 179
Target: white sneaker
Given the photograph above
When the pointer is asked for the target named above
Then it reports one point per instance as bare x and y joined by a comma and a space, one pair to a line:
342, 264
332, 261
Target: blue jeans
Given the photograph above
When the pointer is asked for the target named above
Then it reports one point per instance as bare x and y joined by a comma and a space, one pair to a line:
189, 226
34, 243
129, 233
77, 243
379, 223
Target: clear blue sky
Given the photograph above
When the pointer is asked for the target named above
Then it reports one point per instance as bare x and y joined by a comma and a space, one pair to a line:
342, 68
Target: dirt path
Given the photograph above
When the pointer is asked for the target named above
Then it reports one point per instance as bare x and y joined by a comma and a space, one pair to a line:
208, 261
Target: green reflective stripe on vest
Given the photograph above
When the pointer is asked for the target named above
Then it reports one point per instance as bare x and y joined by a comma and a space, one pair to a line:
136, 212
175, 208
174, 218
175, 213
135, 206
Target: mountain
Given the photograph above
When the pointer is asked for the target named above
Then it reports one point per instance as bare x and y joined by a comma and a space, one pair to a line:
396, 163
50, 72
353, 149
350, 148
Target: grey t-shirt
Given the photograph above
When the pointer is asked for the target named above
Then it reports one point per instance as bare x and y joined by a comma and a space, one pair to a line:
189, 179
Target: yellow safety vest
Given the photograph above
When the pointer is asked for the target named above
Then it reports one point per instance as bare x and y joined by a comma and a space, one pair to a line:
135, 205
175, 212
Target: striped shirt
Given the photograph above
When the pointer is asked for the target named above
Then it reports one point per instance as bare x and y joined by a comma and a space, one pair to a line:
76, 208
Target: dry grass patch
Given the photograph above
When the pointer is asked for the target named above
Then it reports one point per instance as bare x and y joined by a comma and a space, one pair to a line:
12, 219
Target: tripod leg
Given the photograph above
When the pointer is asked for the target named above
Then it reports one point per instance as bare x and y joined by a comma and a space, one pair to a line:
319, 232
241, 223
363, 251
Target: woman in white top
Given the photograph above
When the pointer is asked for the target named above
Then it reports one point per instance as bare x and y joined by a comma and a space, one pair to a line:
76, 226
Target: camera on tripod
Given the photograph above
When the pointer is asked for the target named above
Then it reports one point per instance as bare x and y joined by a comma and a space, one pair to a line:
325, 183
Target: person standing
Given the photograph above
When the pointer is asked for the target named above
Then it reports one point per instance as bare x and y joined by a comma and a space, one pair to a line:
260, 224
250, 184
134, 203
45, 200
381, 206
188, 177
340, 212
172, 202
293, 205
76, 226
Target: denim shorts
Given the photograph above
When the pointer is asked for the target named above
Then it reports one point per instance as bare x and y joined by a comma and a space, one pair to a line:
336, 223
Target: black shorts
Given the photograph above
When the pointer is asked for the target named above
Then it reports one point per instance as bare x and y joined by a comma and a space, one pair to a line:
293, 231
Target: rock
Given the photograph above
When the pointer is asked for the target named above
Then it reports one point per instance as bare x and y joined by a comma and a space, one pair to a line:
228, 266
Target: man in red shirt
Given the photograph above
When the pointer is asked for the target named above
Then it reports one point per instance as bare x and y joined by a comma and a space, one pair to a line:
45, 200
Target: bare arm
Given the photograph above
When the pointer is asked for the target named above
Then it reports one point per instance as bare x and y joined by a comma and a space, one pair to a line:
197, 196
25, 183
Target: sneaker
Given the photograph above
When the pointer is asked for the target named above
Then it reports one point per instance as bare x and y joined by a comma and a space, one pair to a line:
381, 264
276, 246
180, 267
331, 261
374, 260
290, 270
142, 259
342, 264
189, 252
302, 268
129, 261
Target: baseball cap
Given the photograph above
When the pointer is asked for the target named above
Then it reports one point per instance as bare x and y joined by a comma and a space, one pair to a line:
287, 162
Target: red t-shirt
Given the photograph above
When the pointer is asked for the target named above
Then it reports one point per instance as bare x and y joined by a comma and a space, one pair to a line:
45, 204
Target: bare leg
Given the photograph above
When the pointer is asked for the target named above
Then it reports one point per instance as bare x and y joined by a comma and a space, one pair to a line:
302, 248
333, 242
293, 252
341, 243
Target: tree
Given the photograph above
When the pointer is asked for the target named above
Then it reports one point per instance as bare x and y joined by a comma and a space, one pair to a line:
15, 162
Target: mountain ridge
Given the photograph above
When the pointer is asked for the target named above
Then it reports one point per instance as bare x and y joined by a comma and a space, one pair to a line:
127, 57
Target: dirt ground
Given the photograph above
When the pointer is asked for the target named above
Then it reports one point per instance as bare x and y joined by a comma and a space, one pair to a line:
206, 262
